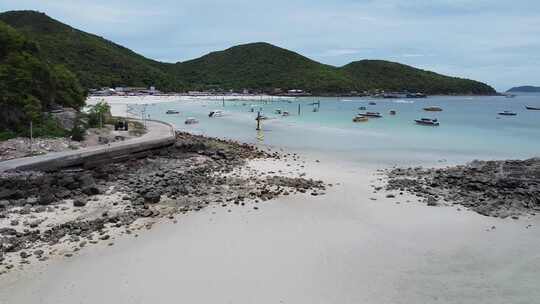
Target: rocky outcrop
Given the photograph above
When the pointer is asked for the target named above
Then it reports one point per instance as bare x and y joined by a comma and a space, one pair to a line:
492, 188
65, 117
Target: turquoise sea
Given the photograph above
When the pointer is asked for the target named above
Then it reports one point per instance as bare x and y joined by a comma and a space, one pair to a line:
470, 127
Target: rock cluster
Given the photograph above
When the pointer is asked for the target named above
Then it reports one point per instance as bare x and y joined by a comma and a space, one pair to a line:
194, 173
492, 188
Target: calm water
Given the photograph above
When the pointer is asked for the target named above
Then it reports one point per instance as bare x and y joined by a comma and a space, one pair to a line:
470, 127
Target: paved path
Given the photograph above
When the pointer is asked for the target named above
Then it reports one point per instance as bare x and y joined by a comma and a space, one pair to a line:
159, 134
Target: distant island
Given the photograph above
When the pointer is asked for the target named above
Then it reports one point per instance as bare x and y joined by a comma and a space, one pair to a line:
258, 67
524, 89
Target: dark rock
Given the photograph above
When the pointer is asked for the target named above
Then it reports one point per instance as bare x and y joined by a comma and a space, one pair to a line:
46, 198
152, 197
79, 202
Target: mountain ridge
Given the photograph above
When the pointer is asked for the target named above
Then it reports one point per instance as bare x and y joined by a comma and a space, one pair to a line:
98, 62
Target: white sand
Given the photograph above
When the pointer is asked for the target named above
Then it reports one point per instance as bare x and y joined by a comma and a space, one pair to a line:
119, 104
338, 248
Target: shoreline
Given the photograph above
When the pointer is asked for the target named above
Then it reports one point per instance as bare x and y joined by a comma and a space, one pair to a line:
351, 243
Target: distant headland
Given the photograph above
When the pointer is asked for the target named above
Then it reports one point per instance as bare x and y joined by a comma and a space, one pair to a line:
525, 89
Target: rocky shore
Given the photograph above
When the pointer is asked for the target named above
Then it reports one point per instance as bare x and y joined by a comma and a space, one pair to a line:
508, 188
44, 214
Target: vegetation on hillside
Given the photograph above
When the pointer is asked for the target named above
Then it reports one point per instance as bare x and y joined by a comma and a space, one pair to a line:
264, 66
29, 86
391, 76
98, 62
261, 66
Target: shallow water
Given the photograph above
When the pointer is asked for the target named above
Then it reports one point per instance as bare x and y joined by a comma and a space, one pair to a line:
470, 127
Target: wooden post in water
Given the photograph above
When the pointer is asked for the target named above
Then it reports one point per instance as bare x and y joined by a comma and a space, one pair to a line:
298, 109
224, 101
258, 121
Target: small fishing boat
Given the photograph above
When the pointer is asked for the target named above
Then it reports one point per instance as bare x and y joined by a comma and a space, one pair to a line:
372, 103
416, 95
507, 113
510, 96
532, 108
285, 113
191, 121
172, 112
362, 108
427, 122
371, 114
216, 113
360, 118
278, 111
392, 112
433, 109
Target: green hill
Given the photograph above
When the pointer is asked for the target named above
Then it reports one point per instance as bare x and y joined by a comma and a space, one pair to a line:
98, 62
29, 86
391, 76
262, 66
525, 89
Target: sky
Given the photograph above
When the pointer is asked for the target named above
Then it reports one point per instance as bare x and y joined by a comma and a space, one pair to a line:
494, 41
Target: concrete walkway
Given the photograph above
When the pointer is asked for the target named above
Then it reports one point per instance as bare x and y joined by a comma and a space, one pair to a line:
159, 134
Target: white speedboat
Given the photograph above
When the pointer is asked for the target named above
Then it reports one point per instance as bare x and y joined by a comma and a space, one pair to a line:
216, 113
427, 122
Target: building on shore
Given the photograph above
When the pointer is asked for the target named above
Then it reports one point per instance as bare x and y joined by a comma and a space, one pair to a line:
124, 91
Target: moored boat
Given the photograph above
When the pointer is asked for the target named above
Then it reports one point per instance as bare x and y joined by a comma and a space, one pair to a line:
360, 118
532, 108
433, 109
372, 103
416, 95
427, 122
172, 112
507, 113
285, 113
216, 113
362, 108
392, 112
191, 121
371, 114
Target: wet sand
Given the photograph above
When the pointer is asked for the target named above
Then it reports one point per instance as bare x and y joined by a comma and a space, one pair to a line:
342, 247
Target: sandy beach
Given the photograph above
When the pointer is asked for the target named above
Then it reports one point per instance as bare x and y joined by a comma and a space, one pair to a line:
348, 246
